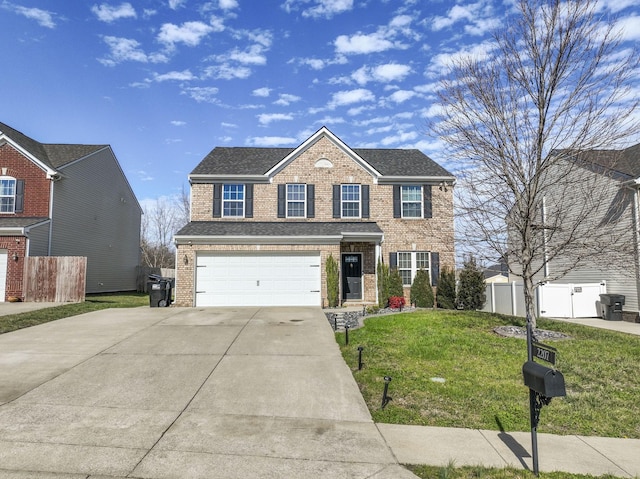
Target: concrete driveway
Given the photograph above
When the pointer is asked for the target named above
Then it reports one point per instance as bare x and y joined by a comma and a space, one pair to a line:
185, 393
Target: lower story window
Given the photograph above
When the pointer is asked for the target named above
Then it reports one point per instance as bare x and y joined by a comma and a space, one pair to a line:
409, 262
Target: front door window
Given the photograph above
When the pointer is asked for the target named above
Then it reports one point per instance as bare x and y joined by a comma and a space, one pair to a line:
352, 276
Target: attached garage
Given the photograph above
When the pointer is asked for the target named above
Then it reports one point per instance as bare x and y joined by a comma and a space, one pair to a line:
252, 279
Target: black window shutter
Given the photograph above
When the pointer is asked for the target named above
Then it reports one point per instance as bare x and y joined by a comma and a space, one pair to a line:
428, 209
365, 200
311, 201
397, 206
248, 200
336, 201
282, 201
217, 200
19, 204
435, 268
393, 260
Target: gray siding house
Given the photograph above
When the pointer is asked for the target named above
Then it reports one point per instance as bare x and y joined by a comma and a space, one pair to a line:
66, 200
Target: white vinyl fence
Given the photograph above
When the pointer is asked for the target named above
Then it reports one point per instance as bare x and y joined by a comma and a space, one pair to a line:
551, 300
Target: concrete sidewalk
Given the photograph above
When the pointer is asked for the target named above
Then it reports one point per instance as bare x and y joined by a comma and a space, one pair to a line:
164, 393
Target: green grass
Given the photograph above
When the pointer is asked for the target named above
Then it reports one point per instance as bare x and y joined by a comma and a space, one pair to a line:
92, 302
483, 386
452, 472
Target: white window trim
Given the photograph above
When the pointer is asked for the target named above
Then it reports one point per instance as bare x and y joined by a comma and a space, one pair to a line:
402, 203
414, 264
287, 201
244, 197
15, 183
342, 201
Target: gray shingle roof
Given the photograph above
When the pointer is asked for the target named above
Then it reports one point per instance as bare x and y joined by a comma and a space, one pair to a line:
20, 222
279, 228
53, 155
625, 164
257, 161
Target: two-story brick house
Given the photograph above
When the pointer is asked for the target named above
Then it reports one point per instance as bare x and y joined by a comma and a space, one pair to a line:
265, 220
66, 200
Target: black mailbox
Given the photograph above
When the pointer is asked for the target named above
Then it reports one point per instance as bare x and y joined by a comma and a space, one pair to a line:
543, 380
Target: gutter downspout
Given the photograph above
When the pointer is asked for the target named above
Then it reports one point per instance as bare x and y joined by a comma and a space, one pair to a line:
636, 238
53, 182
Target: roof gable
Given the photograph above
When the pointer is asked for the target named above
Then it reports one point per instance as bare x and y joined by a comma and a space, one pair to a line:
48, 156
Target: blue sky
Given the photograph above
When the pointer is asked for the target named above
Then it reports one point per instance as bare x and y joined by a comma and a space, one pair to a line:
165, 81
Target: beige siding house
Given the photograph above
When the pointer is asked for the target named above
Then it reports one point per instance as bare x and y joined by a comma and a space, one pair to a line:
265, 220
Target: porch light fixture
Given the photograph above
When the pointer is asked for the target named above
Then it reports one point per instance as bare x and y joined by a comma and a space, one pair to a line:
186, 260
15, 256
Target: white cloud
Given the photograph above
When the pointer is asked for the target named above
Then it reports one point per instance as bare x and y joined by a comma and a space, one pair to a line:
261, 92
286, 99
401, 96
270, 141
227, 72
127, 49
43, 17
349, 97
629, 28
228, 4
202, 94
267, 118
383, 39
253, 55
314, 63
320, 8
228, 125
389, 72
399, 137
189, 33
441, 62
107, 13
184, 75
175, 4
479, 18
178, 123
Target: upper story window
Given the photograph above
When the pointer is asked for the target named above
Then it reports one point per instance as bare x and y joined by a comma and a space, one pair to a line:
7, 194
412, 201
350, 201
296, 200
409, 262
233, 200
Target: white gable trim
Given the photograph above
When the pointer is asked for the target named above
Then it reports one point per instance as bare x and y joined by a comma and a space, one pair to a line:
323, 132
51, 173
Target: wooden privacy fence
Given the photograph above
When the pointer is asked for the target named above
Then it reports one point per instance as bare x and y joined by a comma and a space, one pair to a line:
55, 278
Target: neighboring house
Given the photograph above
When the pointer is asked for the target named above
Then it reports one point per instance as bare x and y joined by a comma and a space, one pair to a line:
496, 273
265, 220
66, 200
616, 175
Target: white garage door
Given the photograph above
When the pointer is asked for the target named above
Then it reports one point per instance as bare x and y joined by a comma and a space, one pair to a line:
258, 280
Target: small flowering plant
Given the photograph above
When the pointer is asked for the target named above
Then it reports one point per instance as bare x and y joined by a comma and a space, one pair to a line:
396, 302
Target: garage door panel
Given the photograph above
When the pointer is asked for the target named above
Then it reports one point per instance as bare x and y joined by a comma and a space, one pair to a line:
258, 280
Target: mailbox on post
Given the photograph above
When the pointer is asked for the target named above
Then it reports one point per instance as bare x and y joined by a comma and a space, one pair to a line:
545, 381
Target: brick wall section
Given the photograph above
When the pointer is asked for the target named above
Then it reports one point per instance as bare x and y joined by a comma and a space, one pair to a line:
15, 245
36, 185
434, 234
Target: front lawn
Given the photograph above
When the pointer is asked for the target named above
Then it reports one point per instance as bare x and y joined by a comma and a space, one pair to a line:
93, 302
450, 369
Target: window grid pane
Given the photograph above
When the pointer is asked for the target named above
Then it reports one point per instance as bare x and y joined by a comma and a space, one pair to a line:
296, 196
411, 193
412, 202
7, 195
351, 201
6, 205
405, 274
404, 260
233, 200
422, 260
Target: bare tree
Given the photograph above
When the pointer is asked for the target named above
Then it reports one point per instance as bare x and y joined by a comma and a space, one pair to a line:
160, 220
555, 85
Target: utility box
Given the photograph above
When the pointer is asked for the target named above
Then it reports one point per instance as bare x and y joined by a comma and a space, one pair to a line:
611, 305
543, 380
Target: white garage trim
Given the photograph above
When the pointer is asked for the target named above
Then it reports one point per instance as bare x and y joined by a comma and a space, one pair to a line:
3, 273
258, 279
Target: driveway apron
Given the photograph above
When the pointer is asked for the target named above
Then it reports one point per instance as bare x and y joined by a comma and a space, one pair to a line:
185, 393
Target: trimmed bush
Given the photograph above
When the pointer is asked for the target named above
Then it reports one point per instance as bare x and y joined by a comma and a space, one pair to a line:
383, 284
396, 302
421, 291
471, 291
446, 295
333, 278
395, 284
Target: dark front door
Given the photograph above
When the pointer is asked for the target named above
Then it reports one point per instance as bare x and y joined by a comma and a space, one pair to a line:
352, 276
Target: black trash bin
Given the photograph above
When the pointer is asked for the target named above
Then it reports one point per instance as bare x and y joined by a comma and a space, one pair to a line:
612, 306
159, 291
